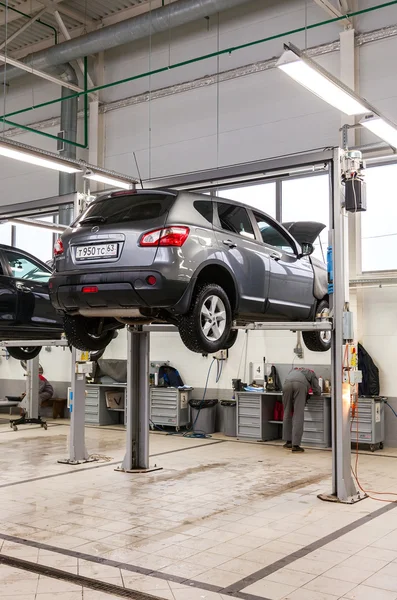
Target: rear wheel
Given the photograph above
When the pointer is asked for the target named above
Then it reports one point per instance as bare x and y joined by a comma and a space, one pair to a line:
24, 352
319, 341
206, 328
86, 334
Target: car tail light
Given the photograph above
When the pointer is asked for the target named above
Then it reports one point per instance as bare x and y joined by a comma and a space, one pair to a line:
58, 247
170, 236
89, 289
151, 280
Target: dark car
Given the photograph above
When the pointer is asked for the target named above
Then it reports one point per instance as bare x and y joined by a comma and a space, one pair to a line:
177, 257
26, 312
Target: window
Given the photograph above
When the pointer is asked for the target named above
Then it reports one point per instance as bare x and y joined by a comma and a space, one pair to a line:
35, 240
235, 219
24, 268
379, 222
261, 196
205, 208
5, 234
135, 207
307, 199
271, 236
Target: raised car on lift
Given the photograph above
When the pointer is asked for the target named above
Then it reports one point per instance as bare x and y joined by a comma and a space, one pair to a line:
199, 262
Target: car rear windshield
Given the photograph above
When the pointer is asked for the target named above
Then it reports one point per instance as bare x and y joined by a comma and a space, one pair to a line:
135, 207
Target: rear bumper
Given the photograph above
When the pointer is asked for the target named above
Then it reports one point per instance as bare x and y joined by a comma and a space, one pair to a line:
116, 290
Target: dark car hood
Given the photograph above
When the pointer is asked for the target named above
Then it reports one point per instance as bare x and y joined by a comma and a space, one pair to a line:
304, 231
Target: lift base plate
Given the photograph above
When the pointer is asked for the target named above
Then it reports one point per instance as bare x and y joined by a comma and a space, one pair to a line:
351, 500
149, 470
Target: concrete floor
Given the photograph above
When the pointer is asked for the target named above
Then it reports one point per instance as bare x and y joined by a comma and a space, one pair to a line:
223, 519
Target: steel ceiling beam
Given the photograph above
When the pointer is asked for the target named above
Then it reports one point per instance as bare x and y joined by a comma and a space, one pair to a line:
29, 7
23, 28
20, 65
330, 9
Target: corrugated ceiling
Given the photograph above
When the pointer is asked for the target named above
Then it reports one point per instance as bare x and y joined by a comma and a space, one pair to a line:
79, 16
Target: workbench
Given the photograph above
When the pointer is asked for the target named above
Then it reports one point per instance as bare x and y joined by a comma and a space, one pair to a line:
255, 418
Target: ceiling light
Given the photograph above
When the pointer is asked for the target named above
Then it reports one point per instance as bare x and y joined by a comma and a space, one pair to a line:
36, 159
382, 128
316, 79
125, 184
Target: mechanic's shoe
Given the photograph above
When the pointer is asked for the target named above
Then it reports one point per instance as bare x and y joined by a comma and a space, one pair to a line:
297, 449
288, 445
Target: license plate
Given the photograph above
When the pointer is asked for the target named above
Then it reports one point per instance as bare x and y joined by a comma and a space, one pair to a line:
96, 251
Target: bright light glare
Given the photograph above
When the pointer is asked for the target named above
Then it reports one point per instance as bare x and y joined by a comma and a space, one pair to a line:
109, 180
321, 86
37, 160
382, 129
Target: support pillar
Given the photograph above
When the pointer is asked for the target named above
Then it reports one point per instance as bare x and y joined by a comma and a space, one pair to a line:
77, 450
343, 486
136, 458
32, 387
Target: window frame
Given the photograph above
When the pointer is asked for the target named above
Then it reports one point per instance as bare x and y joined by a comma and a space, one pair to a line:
295, 247
360, 273
217, 220
8, 272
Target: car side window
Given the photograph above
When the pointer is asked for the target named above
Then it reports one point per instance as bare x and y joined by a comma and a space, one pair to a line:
236, 219
23, 268
205, 208
272, 236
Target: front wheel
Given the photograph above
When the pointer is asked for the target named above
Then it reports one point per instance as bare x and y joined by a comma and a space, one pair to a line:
206, 328
319, 341
85, 334
24, 352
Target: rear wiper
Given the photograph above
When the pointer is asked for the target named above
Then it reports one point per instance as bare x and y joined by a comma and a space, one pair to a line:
94, 219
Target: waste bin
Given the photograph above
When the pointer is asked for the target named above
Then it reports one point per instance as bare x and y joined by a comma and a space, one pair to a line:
229, 417
203, 415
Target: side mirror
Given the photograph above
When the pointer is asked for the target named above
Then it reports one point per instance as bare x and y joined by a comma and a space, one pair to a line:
307, 249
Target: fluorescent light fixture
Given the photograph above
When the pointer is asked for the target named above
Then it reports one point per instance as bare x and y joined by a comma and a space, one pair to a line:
382, 128
316, 79
37, 159
108, 180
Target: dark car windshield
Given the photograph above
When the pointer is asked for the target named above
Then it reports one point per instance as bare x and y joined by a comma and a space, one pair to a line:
136, 207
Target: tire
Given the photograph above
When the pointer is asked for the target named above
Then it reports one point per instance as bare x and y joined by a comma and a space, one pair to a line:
315, 340
77, 330
191, 325
24, 353
231, 340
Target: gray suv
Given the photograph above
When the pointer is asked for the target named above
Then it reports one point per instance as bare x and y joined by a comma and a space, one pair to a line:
201, 263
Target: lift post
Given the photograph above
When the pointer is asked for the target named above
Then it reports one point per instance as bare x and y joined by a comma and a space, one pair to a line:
136, 459
343, 486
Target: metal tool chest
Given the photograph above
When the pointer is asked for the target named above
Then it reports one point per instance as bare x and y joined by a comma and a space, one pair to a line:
96, 410
169, 406
368, 423
317, 424
255, 414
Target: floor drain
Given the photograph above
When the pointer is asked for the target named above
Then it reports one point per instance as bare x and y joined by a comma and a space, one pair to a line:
93, 584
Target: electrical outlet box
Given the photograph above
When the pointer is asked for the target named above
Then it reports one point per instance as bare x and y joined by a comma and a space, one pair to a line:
221, 354
356, 377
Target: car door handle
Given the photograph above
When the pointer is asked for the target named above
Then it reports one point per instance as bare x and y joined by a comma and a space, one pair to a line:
229, 243
23, 288
275, 256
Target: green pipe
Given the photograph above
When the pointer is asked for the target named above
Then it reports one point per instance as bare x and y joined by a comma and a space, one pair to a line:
85, 102
37, 20
198, 59
43, 133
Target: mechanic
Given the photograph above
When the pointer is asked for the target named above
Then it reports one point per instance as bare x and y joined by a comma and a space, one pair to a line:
295, 394
46, 391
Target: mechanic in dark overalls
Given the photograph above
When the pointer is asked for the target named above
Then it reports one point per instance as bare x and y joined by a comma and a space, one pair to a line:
295, 393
